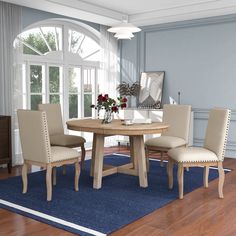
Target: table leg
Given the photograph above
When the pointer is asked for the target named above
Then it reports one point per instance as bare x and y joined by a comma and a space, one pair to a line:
133, 160
98, 161
139, 155
93, 155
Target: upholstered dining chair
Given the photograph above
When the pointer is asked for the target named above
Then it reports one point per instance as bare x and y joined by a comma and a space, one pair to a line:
211, 154
178, 118
36, 149
56, 130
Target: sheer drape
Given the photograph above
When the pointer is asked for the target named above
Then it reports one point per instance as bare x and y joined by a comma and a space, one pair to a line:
10, 27
109, 75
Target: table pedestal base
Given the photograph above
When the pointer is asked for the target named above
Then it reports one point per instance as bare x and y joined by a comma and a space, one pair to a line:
137, 167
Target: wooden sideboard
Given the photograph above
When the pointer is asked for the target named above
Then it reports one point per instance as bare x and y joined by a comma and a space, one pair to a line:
5, 141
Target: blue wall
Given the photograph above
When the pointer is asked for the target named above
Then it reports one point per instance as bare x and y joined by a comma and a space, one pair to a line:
199, 60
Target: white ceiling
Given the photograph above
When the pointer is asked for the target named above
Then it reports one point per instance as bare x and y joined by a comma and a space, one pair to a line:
139, 12
131, 7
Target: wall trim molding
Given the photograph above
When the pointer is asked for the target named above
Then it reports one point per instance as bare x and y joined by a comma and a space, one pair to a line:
231, 145
202, 114
191, 23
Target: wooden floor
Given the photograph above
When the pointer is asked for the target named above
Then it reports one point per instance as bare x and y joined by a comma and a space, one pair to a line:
200, 213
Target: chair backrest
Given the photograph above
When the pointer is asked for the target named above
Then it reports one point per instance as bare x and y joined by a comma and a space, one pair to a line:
54, 118
178, 117
217, 131
34, 136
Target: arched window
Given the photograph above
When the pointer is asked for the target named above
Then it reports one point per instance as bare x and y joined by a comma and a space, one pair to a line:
60, 62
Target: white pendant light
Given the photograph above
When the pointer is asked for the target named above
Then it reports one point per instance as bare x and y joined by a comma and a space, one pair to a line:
124, 34
124, 30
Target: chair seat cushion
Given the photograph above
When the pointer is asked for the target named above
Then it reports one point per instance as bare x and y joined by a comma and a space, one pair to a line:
66, 140
63, 153
165, 142
192, 154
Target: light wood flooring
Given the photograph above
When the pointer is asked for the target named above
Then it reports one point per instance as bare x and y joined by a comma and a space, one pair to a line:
200, 213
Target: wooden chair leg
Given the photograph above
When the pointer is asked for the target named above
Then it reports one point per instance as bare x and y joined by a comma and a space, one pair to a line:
147, 159
77, 174
54, 176
181, 180
49, 182
170, 173
221, 179
24, 177
82, 156
162, 157
205, 176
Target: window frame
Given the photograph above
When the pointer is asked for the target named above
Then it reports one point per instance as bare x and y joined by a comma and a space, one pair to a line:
63, 59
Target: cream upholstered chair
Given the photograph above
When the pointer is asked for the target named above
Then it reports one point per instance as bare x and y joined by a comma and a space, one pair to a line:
211, 154
56, 130
178, 117
36, 148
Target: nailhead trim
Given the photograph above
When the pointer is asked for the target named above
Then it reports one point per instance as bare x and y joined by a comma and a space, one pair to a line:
189, 161
46, 136
226, 135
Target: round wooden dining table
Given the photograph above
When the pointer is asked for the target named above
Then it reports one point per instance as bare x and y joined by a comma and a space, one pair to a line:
137, 166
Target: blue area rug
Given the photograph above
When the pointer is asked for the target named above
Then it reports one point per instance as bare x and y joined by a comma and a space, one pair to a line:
119, 202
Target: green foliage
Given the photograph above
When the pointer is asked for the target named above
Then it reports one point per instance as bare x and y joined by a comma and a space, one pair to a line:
72, 76
73, 106
35, 79
54, 79
35, 100
87, 105
36, 41
54, 99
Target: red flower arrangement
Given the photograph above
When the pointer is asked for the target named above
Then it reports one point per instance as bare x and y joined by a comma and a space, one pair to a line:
109, 104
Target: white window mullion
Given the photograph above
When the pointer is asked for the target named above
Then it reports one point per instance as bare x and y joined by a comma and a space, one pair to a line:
82, 91
46, 84
44, 39
66, 92
65, 73
61, 88
94, 88
56, 39
28, 85
65, 42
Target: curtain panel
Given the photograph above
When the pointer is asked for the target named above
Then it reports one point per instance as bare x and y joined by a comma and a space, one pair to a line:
110, 63
10, 27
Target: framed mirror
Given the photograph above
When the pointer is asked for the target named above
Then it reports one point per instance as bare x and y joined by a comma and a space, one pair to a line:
150, 93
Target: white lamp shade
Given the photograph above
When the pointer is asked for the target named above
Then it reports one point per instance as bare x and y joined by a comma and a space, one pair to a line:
124, 30
124, 26
124, 34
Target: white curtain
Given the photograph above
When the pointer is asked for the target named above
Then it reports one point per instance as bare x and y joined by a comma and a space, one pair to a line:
109, 75
10, 27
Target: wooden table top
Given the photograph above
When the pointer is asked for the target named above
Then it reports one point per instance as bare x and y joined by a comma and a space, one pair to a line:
116, 127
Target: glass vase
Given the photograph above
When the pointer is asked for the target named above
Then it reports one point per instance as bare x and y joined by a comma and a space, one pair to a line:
107, 117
